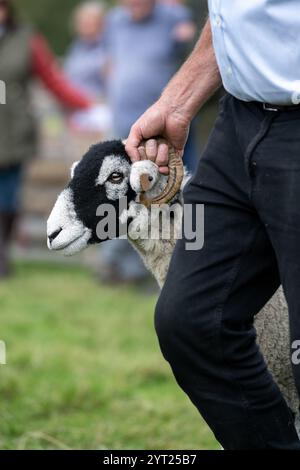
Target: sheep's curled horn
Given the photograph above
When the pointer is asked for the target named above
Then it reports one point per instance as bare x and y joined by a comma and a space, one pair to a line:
176, 173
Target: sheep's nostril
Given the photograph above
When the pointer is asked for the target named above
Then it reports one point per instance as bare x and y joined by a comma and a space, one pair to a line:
54, 235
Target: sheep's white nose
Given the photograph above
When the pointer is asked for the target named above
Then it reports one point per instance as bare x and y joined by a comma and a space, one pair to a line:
53, 235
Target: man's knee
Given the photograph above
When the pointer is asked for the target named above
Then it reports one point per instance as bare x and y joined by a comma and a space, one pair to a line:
169, 311
180, 325
165, 314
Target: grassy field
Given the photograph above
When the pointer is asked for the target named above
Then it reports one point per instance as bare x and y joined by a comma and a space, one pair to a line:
84, 370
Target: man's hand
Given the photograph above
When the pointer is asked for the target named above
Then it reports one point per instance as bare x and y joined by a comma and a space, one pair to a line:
171, 115
161, 120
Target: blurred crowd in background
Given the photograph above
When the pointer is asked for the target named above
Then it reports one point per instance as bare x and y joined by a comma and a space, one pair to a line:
117, 65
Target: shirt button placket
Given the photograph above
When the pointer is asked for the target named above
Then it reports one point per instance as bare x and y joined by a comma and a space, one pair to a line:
218, 21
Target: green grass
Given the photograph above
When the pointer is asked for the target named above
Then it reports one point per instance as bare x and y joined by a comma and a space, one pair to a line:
84, 370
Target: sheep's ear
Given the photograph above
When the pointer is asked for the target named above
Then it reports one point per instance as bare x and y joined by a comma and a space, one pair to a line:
72, 169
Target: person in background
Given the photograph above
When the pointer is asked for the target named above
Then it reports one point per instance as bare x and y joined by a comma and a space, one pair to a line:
145, 44
24, 54
86, 67
185, 30
86, 59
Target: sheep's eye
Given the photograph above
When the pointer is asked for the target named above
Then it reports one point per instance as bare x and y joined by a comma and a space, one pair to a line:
116, 177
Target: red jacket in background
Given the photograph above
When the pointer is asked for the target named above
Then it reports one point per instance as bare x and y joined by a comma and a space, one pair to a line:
44, 66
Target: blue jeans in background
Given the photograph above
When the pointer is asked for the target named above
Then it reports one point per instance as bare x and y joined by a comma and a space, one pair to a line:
10, 187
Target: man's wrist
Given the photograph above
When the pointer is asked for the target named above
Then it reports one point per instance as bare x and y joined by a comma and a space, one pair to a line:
175, 104
195, 82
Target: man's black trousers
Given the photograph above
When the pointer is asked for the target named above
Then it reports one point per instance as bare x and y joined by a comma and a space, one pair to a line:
248, 179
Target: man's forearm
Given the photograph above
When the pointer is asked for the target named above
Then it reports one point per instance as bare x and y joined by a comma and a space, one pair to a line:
170, 117
197, 80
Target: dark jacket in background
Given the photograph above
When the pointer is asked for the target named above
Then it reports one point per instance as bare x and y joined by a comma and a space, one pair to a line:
25, 54
17, 129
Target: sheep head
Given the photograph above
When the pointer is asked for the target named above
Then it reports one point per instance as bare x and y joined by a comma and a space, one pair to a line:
105, 176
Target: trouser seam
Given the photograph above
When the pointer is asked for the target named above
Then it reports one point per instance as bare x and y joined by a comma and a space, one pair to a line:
219, 313
254, 143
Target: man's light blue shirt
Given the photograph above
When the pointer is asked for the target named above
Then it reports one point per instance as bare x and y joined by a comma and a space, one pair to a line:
257, 45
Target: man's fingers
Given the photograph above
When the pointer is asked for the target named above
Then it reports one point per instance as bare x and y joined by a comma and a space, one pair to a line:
142, 152
162, 158
164, 170
132, 152
133, 143
151, 149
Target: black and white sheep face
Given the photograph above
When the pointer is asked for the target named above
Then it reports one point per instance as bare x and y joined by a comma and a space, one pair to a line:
101, 177
105, 175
